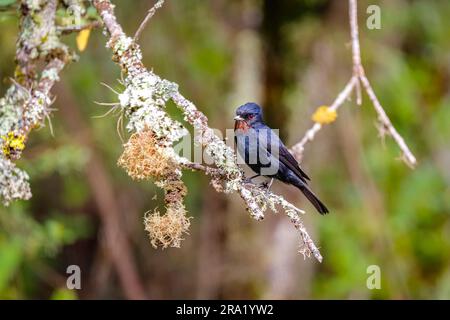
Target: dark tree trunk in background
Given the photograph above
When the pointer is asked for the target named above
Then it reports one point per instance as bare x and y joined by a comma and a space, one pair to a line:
278, 74
275, 78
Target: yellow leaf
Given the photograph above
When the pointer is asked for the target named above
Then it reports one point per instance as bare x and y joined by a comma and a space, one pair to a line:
82, 39
324, 115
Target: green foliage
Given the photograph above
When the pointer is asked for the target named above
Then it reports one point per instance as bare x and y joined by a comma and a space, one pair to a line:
64, 294
10, 259
62, 160
5, 3
27, 241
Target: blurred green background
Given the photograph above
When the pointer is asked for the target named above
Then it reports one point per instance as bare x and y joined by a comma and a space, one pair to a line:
291, 56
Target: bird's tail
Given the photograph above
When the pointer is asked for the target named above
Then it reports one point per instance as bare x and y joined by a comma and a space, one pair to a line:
312, 198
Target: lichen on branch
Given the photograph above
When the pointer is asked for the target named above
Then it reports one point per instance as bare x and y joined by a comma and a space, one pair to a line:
13, 182
26, 104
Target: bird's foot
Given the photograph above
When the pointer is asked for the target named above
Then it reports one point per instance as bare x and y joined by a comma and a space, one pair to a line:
266, 185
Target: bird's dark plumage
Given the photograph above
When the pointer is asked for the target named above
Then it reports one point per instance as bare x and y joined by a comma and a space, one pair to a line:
264, 152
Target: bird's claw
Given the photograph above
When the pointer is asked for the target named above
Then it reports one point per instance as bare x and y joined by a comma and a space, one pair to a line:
264, 185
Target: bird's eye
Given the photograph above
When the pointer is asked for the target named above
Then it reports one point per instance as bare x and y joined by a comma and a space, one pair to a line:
250, 116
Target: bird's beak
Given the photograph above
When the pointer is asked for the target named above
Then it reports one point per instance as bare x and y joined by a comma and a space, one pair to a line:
238, 118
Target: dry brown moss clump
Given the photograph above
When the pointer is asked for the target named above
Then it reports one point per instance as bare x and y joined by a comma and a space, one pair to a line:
143, 158
167, 230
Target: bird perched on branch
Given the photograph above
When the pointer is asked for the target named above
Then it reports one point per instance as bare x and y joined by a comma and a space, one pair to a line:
264, 152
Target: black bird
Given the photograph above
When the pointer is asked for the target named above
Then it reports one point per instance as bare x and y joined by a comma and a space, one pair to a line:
264, 152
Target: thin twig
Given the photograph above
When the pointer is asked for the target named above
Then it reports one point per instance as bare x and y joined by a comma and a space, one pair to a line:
150, 14
34, 28
358, 92
77, 28
407, 155
354, 33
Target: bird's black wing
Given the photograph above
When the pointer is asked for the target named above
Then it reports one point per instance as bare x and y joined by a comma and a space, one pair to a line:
285, 157
289, 161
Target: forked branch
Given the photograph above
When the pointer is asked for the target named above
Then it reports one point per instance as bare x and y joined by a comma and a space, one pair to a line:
358, 78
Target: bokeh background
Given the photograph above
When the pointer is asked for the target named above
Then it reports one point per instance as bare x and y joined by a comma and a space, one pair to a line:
291, 56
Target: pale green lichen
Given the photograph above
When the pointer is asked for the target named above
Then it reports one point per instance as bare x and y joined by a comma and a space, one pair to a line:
123, 45
260, 199
223, 156
26, 103
51, 74
225, 159
145, 96
143, 101
11, 108
76, 7
13, 182
36, 110
34, 5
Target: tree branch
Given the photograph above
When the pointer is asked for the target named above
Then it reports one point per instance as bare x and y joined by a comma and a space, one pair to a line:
149, 112
77, 28
26, 102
